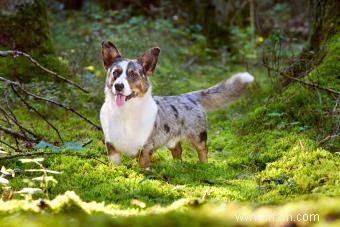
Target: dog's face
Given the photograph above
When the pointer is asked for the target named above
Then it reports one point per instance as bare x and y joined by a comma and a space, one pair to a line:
127, 78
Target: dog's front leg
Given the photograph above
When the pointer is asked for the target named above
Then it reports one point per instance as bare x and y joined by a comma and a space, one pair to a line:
112, 154
145, 159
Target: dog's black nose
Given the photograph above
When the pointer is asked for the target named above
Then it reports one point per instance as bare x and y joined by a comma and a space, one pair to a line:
119, 87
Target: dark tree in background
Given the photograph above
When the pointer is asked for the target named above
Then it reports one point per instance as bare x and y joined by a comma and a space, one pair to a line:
24, 27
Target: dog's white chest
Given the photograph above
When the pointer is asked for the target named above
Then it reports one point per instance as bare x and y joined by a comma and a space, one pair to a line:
128, 127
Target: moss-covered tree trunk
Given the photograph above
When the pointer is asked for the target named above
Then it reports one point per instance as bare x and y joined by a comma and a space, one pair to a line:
326, 23
24, 27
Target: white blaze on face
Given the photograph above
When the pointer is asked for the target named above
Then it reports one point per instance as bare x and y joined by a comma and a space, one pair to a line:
122, 79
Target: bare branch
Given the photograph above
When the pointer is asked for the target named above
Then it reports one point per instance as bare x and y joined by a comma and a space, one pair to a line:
306, 83
313, 85
18, 135
10, 146
15, 53
37, 112
50, 101
11, 119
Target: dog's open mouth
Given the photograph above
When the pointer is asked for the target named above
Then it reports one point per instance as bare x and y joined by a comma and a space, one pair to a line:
121, 99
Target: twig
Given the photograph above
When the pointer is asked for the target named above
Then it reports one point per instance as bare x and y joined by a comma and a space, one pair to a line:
38, 113
10, 146
62, 106
15, 53
87, 143
18, 135
309, 84
327, 138
50, 101
329, 90
11, 116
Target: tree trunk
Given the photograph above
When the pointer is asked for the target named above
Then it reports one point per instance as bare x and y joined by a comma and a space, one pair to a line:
326, 21
24, 27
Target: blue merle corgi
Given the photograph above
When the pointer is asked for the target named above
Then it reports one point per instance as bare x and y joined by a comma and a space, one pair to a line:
136, 123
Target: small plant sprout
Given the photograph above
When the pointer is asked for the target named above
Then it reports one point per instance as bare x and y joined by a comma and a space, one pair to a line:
44, 180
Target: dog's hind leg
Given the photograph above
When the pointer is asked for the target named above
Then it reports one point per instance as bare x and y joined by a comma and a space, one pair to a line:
112, 154
200, 143
176, 151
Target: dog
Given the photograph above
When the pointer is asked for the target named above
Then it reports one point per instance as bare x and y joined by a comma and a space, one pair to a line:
137, 123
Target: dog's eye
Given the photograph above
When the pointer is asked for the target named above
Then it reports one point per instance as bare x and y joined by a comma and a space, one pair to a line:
133, 75
116, 74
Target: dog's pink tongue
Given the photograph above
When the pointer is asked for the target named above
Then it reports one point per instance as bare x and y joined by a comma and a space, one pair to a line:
120, 100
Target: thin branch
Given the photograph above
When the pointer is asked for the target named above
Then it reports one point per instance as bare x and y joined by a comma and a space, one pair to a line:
50, 101
62, 106
11, 116
327, 138
87, 142
15, 53
306, 83
18, 135
313, 85
10, 146
38, 113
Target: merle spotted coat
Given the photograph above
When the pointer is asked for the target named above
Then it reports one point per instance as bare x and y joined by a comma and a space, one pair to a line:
137, 123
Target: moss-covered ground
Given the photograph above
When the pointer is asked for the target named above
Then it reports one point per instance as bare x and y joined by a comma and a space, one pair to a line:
265, 154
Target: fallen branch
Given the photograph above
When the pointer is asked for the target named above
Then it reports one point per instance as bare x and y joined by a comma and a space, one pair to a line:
327, 138
306, 83
313, 85
15, 53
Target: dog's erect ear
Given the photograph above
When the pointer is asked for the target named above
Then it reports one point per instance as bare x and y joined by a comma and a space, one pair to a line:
110, 53
149, 60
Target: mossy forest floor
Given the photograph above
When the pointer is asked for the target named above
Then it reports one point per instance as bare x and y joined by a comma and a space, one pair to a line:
265, 155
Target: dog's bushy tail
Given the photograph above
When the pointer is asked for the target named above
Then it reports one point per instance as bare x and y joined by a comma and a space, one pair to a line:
222, 93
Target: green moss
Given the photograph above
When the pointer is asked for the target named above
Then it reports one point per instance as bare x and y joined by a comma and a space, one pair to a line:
302, 169
69, 209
